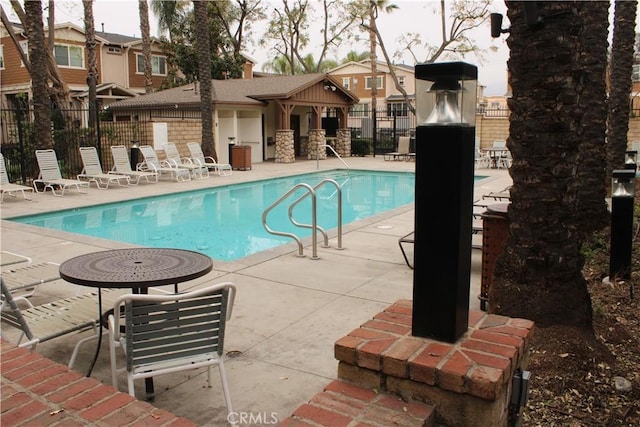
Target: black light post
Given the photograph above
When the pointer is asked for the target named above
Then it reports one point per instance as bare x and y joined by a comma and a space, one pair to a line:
446, 107
134, 155
631, 160
622, 199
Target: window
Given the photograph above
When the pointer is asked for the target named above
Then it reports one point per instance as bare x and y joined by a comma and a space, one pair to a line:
359, 110
401, 81
635, 73
345, 82
367, 82
69, 56
397, 109
1, 57
158, 65
24, 45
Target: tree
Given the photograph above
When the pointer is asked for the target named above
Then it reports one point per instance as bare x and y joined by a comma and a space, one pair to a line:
289, 28
353, 56
39, 74
237, 18
204, 76
620, 88
92, 72
143, 9
590, 208
539, 274
170, 13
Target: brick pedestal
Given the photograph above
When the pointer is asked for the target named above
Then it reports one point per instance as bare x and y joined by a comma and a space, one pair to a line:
468, 383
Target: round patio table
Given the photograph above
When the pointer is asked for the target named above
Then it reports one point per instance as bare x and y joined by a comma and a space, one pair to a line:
136, 268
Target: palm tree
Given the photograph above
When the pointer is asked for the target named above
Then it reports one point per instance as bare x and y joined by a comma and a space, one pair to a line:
169, 13
92, 74
539, 274
353, 56
621, 68
39, 86
591, 209
203, 51
143, 9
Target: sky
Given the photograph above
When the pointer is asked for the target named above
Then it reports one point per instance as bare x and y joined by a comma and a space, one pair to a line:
121, 16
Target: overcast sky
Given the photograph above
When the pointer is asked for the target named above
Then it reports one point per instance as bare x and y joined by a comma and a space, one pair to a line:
121, 16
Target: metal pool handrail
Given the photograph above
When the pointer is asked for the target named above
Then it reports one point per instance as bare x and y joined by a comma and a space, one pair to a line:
324, 233
334, 152
314, 226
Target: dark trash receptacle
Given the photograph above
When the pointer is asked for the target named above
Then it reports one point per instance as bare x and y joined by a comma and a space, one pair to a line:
495, 230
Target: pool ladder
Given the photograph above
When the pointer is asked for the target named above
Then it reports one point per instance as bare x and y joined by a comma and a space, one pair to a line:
310, 192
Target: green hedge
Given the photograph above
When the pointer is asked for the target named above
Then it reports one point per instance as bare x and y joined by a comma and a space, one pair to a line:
361, 146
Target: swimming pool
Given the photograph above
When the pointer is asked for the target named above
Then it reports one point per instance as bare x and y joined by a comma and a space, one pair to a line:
226, 222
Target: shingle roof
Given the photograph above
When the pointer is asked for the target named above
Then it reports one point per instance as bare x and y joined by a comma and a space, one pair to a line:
119, 39
233, 91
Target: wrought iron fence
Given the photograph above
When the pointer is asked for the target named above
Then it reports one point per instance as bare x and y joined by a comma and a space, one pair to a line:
69, 130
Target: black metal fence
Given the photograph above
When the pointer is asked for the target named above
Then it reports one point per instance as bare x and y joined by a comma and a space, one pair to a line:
70, 130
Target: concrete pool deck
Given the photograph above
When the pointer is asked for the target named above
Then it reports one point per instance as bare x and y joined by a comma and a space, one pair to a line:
289, 311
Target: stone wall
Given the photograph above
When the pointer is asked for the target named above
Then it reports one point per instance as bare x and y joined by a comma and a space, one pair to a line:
285, 149
316, 141
343, 142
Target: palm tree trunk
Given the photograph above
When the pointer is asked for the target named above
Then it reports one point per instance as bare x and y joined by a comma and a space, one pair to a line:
204, 76
39, 74
539, 274
143, 9
92, 74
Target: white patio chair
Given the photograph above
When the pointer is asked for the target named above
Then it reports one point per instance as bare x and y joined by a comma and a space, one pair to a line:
198, 157
403, 150
51, 177
173, 158
169, 333
152, 164
122, 166
24, 279
7, 187
92, 170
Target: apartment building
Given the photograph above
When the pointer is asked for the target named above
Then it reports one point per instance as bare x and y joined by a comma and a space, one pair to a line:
120, 69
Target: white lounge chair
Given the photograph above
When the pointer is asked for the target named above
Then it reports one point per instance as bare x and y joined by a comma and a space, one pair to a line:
171, 333
152, 164
23, 280
9, 188
51, 177
92, 170
122, 166
198, 157
173, 158
55, 319
403, 150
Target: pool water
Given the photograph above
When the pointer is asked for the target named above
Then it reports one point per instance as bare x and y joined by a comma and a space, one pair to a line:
226, 222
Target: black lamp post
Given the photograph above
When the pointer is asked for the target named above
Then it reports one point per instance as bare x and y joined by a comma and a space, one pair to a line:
446, 107
622, 198
631, 160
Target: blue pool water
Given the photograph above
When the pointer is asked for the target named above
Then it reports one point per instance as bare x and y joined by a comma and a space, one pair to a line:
226, 222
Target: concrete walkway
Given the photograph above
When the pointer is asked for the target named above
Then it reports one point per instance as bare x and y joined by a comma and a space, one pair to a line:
289, 311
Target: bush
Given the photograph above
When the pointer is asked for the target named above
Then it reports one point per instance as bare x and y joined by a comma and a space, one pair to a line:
361, 147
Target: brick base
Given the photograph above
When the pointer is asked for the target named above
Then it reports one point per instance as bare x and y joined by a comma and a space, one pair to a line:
343, 404
468, 382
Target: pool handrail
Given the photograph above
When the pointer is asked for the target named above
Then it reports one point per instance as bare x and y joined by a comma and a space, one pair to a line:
314, 226
324, 233
334, 152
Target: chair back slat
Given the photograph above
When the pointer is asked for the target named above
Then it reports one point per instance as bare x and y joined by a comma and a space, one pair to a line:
172, 153
169, 330
121, 160
48, 165
403, 144
150, 156
4, 178
90, 161
196, 152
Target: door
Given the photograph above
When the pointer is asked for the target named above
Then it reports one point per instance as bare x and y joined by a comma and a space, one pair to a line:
295, 126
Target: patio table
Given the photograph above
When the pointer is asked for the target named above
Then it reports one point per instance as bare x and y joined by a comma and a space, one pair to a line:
136, 268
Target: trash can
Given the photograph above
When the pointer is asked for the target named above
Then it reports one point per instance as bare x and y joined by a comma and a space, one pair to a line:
241, 157
495, 230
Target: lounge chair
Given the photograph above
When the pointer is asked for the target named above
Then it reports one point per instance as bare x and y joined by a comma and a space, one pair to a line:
403, 150
55, 319
173, 158
9, 188
122, 166
171, 333
9, 258
198, 157
51, 177
407, 239
93, 172
24, 279
152, 164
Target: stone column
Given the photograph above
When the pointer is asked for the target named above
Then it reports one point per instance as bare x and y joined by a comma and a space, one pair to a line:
316, 144
343, 142
285, 150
